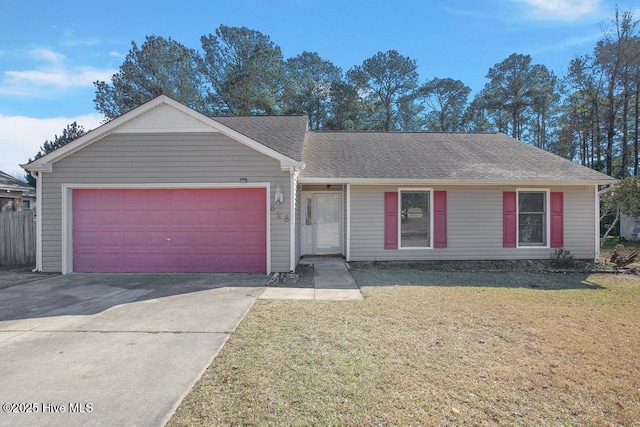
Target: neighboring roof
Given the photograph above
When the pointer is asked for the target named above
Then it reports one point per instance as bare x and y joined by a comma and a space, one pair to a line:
284, 134
435, 157
7, 182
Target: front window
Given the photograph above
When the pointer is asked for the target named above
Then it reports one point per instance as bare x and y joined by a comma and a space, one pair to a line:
415, 219
532, 218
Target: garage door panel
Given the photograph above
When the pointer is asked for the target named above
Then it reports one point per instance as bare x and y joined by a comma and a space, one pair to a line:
254, 259
155, 239
133, 198
206, 240
155, 200
230, 239
253, 216
110, 217
253, 240
231, 263
205, 217
227, 198
87, 260
110, 197
182, 239
110, 239
134, 240
87, 202
181, 216
134, 261
208, 204
86, 219
157, 217
184, 198
108, 260
85, 239
167, 230
133, 216
229, 217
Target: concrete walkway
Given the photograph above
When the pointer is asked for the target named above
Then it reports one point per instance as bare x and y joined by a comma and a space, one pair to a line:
332, 282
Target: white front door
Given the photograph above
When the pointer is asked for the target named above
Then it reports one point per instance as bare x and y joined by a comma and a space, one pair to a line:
321, 223
327, 222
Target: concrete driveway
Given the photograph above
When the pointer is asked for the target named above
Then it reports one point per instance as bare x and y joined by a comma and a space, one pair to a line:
118, 349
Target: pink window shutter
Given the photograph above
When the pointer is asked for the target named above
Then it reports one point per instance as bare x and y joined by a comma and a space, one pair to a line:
439, 219
391, 220
509, 220
557, 232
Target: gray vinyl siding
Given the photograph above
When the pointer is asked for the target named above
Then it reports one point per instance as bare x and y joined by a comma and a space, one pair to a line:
474, 226
167, 158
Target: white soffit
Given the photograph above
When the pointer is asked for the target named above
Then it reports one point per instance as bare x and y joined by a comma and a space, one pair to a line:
165, 118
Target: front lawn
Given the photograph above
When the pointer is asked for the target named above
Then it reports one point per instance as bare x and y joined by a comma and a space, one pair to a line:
451, 348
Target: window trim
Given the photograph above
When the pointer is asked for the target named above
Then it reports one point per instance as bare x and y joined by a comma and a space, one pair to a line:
415, 190
547, 225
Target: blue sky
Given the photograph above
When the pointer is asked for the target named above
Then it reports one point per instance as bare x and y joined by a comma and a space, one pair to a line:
51, 52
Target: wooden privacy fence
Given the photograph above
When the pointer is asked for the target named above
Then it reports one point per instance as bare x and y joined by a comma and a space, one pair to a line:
18, 238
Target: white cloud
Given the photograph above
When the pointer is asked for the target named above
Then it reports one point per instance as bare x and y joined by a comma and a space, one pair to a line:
22, 81
570, 43
52, 76
563, 10
47, 55
22, 136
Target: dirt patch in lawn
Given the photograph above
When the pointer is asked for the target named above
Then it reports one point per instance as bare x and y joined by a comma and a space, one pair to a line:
302, 278
433, 355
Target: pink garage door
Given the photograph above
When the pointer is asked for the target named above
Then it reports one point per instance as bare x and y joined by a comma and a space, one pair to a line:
169, 230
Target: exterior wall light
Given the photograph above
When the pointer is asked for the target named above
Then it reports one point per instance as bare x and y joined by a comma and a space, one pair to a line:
278, 197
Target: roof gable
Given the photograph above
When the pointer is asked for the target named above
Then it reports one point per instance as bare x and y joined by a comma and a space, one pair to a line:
167, 119
161, 114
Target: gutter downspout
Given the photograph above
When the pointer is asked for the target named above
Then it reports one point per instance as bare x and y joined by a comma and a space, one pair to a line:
348, 242
38, 177
293, 174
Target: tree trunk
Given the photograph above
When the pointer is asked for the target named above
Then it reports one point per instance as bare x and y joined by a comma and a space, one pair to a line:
635, 136
625, 130
613, 224
596, 131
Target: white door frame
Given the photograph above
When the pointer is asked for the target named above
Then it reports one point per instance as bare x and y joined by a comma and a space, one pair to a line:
340, 222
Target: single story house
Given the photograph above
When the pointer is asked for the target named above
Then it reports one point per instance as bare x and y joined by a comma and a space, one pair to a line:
15, 195
165, 188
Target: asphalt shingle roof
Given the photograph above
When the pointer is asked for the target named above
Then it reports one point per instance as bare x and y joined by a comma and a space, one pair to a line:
284, 134
425, 156
7, 182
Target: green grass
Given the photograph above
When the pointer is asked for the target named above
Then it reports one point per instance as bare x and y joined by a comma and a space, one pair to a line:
474, 350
